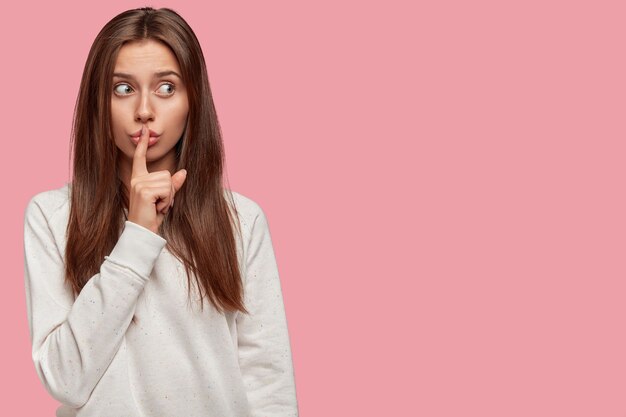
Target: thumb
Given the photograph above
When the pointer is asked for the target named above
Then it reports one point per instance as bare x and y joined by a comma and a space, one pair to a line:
178, 179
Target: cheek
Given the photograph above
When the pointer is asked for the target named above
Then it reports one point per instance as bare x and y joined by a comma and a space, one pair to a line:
117, 113
177, 114
119, 123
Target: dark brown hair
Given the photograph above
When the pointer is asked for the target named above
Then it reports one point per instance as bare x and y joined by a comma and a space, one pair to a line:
199, 228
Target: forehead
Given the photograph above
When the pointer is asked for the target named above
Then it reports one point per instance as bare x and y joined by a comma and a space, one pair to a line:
145, 55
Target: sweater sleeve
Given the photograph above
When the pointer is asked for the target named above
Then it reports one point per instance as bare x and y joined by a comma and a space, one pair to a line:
72, 345
263, 340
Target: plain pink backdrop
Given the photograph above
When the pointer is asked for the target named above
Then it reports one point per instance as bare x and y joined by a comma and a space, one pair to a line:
444, 183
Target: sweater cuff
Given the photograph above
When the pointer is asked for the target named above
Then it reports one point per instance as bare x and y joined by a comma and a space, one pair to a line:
137, 248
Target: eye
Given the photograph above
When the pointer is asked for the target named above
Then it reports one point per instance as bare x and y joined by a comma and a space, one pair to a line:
121, 91
166, 91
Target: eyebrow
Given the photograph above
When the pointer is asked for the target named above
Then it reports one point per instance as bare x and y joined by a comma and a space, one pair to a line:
156, 74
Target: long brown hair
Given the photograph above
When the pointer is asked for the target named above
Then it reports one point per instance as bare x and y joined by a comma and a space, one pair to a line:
199, 228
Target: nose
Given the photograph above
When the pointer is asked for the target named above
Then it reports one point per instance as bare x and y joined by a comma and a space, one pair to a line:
144, 111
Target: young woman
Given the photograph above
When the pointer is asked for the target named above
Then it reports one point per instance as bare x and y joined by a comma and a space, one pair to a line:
120, 263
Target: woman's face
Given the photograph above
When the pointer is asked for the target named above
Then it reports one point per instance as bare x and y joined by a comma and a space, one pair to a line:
147, 89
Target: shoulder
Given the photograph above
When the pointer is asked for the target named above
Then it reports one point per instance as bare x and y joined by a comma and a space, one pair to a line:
48, 203
248, 210
46, 216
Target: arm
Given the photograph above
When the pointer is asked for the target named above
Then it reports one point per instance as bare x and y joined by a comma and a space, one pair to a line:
263, 339
72, 345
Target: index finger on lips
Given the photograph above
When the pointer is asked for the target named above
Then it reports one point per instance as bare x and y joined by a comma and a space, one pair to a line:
139, 157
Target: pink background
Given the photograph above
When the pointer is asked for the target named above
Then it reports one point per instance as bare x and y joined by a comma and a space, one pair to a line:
444, 186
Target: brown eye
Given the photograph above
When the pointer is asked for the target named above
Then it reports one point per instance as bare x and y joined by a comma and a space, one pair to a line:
122, 91
167, 89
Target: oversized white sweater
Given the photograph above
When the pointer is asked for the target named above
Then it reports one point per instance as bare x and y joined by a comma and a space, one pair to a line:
174, 360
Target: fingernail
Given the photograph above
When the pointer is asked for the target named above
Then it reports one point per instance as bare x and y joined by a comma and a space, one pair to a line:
143, 129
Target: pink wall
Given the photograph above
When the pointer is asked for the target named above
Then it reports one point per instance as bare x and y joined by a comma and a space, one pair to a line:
444, 185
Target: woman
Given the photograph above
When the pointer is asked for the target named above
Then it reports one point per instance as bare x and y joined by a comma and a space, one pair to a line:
118, 262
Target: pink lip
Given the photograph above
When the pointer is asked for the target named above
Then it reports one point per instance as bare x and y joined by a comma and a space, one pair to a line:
151, 141
138, 133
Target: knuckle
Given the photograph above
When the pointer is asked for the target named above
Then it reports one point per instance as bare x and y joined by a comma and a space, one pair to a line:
144, 192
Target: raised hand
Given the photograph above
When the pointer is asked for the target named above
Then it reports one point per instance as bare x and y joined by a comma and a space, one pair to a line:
151, 194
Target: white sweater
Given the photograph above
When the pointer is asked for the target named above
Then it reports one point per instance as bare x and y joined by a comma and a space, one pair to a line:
174, 360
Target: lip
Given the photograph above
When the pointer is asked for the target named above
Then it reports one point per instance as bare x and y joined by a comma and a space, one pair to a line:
151, 141
138, 133
154, 137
